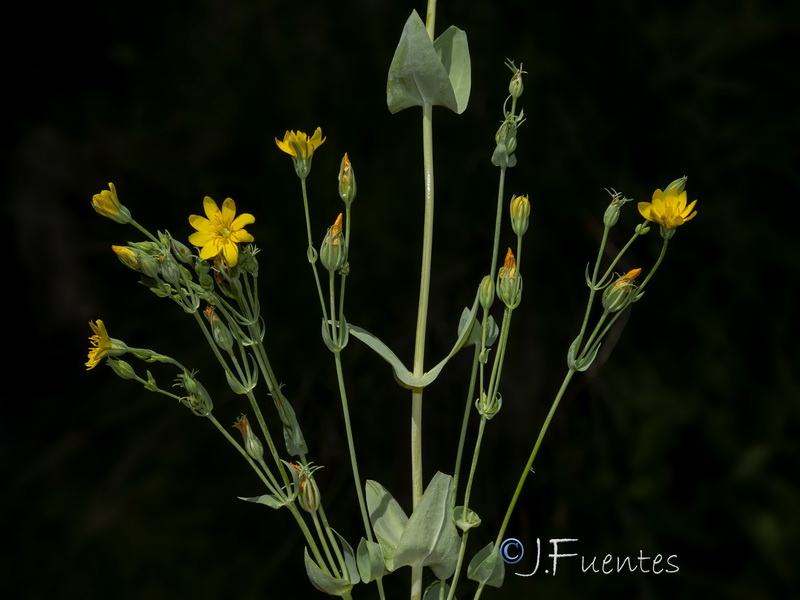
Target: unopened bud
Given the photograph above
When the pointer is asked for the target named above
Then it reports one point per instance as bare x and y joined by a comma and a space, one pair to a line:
347, 181
486, 293
515, 87
520, 214
181, 251
107, 204
220, 332
620, 293
678, 185
509, 282
198, 399
333, 253
127, 256
121, 368
171, 271
252, 444
308, 495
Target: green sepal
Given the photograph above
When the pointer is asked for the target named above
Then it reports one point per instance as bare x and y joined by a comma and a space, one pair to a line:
322, 581
388, 520
267, 500
487, 567
370, 561
424, 72
438, 590
295, 491
430, 537
466, 520
584, 363
349, 560
403, 375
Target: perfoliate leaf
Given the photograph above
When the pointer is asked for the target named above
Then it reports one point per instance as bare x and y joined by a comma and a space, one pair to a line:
266, 499
424, 72
430, 537
370, 561
322, 581
349, 560
487, 567
388, 520
453, 51
438, 590
403, 375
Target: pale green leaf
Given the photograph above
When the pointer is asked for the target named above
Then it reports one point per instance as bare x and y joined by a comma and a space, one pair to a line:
453, 51
388, 520
370, 561
487, 567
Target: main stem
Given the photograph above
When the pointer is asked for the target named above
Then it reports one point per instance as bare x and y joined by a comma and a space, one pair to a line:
422, 322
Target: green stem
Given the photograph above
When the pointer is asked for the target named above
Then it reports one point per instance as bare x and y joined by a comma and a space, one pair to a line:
655, 267
532, 456
351, 447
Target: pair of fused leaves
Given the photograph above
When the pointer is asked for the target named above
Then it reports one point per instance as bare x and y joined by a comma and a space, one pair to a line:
403, 375
429, 73
427, 538
335, 586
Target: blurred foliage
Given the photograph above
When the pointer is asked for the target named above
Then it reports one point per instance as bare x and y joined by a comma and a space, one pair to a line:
683, 442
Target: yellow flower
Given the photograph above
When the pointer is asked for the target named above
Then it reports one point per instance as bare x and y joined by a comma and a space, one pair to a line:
668, 209
107, 204
221, 231
299, 146
102, 345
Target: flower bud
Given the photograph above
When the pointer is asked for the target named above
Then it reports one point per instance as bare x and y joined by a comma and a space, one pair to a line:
107, 204
621, 293
333, 253
127, 256
171, 271
515, 87
222, 335
509, 282
486, 293
678, 185
520, 214
121, 368
309, 495
148, 265
198, 399
252, 444
181, 251
347, 181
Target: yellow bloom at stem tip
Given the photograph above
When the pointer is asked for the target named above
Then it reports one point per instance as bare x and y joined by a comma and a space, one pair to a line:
668, 209
102, 345
221, 232
298, 145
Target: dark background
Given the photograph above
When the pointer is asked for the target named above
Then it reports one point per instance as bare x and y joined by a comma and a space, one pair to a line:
683, 442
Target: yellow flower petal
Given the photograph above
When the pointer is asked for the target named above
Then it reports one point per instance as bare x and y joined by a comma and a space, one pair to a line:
211, 209
228, 211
